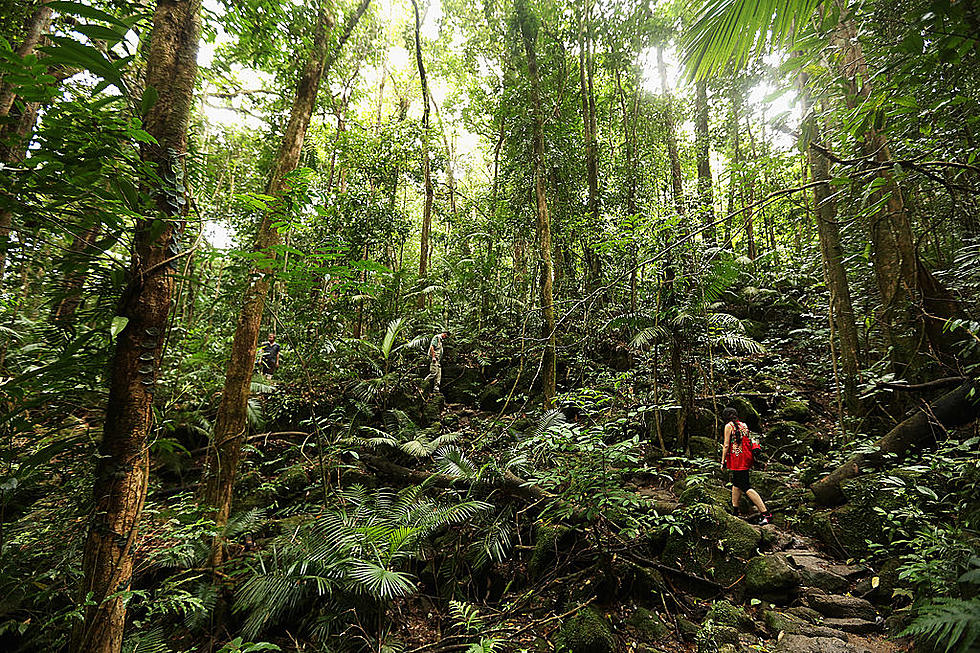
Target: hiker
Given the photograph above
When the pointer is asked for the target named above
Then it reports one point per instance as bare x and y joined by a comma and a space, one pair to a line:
270, 356
435, 360
736, 455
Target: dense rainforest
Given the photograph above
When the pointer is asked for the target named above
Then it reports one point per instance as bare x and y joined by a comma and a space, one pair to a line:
442, 325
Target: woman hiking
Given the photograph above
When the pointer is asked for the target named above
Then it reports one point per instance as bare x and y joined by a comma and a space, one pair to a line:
737, 455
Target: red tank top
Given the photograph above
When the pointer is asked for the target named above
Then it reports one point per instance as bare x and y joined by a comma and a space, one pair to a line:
739, 449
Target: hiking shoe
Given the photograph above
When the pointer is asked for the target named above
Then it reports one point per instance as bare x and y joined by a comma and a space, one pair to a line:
766, 519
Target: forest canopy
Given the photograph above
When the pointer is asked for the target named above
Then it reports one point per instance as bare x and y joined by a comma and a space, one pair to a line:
429, 325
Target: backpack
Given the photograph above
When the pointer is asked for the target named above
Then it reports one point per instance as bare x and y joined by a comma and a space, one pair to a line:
748, 449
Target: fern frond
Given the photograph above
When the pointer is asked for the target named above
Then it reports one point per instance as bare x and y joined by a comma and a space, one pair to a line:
953, 622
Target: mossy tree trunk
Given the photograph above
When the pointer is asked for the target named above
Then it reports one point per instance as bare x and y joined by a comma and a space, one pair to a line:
529, 35
123, 469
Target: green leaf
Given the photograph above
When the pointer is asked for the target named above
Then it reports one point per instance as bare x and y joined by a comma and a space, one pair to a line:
100, 33
87, 11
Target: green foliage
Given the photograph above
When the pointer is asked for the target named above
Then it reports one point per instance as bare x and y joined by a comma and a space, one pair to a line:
953, 622
356, 548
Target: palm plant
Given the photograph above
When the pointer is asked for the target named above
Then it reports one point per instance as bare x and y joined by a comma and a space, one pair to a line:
359, 549
380, 358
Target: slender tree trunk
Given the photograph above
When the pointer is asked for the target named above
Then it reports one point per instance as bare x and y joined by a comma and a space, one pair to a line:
123, 469
676, 181
229, 428
75, 276
530, 35
592, 261
703, 137
828, 234
13, 149
424, 252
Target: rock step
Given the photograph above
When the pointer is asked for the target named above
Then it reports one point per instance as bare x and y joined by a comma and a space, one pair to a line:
804, 644
841, 606
853, 625
816, 572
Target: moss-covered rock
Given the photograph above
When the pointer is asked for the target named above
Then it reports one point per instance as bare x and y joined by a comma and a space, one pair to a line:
709, 493
716, 545
795, 410
703, 447
851, 528
711, 636
724, 613
746, 412
586, 632
549, 540
647, 625
771, 577
787, 441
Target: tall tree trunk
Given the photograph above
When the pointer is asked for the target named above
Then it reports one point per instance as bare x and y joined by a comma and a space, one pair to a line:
828, 234
736, 178
13, 149
681, 381
676, 181
749, 203
529, 34
426, 171
905, 283
703, 137
593, 262
225, 449
123, 469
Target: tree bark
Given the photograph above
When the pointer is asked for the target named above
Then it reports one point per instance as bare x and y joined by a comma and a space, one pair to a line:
13, 149
703, 137
229, 428
122, 472
426, 171
954, 409
529, 34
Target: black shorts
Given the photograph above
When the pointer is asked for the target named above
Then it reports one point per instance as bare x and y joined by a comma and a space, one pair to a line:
740, 479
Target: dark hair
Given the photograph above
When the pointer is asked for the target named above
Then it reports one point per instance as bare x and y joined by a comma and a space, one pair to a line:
729, 415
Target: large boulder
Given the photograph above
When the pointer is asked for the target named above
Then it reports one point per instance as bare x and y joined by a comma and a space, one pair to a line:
549, 542
794, 410
771, 577
787, 441
717, 544
702, 447
850, 529
746, 412
647, 625
586, 632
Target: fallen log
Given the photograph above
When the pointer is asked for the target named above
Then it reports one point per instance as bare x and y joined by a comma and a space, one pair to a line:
956, 408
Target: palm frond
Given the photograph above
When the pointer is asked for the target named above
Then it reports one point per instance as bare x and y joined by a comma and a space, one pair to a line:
734, 342
453, 462
376, 580
647, 336
727, 33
